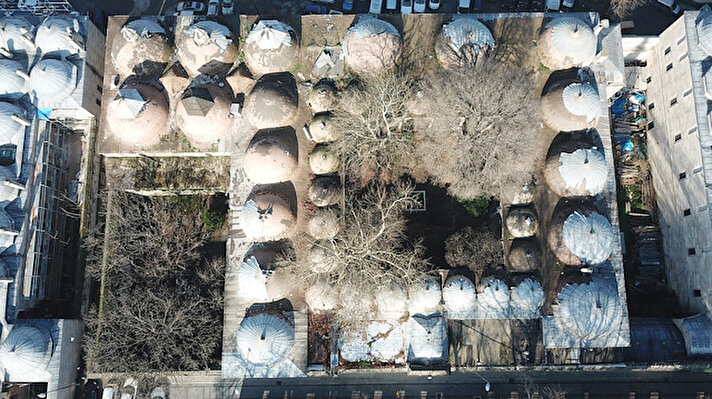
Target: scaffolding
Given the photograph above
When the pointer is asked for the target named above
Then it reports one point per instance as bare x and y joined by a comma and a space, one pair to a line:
36, 7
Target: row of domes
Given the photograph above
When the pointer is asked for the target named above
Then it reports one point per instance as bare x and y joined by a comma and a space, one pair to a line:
55, 36
51, 80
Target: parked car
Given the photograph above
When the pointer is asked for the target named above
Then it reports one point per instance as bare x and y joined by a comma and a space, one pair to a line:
348, 5
434, 4
537, 5
522, 6
419, 6
130, 389
406, 6
463, 6
228, 8
508, 4
213, 7
158, 393
671, 5
391, 4
191, 6
314, 9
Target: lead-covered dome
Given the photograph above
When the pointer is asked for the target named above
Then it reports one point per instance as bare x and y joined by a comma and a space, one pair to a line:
59, 36
264, 339
526, 299
271, 47
322, 130
138, 115
324, 160
524, 255
569, 104
567, 42
424, 296
371, 46
272, 103
203, 114
589, 311
11, 125
581, 236
53, 80
459, 296
17, 35
206, 47
267, 216
141, 49
391, 301
252, 281
271, 157
493, 302
26, 350
14, 80
462, 42
575, 168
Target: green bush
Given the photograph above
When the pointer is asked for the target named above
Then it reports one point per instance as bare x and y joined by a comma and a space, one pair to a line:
214, 219
477, 206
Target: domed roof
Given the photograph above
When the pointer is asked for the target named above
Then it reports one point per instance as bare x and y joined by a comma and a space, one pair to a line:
282, 284
138, 115
26, 350
575, 168
203, 114
323, 160
321, 297
59, 35
581, 99
53, 80
17, 35
459, 296
9, 126
321, 130
391, 301
568, 42
322, 98
590, 237
526, 299
705, 32
271, 47
272, 102
524, 255
271, 157
493, 302
372, 45
521, 222
324, 224
569, 105
141, 49
13, 82
206, 47
264, 339
267, 216
252, 281
424, 296
325, 191
462, 41
589, 311
321, 257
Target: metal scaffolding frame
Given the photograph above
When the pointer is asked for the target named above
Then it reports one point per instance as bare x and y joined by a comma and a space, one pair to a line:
35, 7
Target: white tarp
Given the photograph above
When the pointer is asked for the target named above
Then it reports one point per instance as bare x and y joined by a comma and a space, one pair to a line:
270, 35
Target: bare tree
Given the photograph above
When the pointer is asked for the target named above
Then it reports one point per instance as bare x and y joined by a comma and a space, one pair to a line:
482, 130
475, 249
377, 132
623, 8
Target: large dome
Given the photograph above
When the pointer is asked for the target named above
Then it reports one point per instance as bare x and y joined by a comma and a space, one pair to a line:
493, 302
264, 339
462, 42
568, 105
203, 114
567, 42
59, 36
371, 46
206, 47
271, 157
252, 281
138, 115
271, 47
26, 350
267, 216
17, 35
424, 296
589, 311
13, 79
578, 171
53, 80
459, 296
272, 102
141, 49
10, 127
526, 299
590, 237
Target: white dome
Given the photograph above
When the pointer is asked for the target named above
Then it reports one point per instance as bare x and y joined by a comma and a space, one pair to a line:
270, 35
386, 340
568, 42
12, 83
581, 99
705, 33
267, 216
270, 158
206, 47
58, 35
264, 339
16, 35
467, 31
494, 301
459, 295
391, 301
372, 45
591, 237
9, 127
321, 297
584, 169
424, 296
589, 311
53, 80
252, 281
527, 298
26, 350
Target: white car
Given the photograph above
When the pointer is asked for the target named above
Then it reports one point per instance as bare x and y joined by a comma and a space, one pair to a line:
419, 6
406, 6
434, 4
191, 6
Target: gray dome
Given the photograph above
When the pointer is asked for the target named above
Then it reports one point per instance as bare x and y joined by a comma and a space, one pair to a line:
590, 237
568, 42
272, 103
206, 47
324, 160
589, 311
12, 79
9, 126
141, 49
372, 45
264, 339
271, 47
462, 41
325, 191
59, 35
521, 222
575, 168
53, 80
17, 35
568, 105
322, 130
26, 350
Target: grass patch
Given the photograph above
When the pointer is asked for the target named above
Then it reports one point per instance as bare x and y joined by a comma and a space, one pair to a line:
475, 207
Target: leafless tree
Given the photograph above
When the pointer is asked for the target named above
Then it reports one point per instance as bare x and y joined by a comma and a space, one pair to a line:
623, 8
161, 305
377, 132
481, 129
475, 249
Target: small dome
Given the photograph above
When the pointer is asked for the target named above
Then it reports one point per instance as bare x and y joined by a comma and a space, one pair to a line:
526, 299
371, 46
203, 114
424, 297
522, 222
271, 47
59, 36
391, 301
321, 257
272, 102
589, 311
53, 80
568, 42
26, 350
13, 82
322, 98
493, 302
252, 281
17, 35
321, 297
459, 296
321, 130
462, 42
141, 49
267, 216
206, 47
271, 157
325, 191
323, 160
590, 237
575, 168
524, 255
568, 105
138, 115
9, 125
264, 339
324, 224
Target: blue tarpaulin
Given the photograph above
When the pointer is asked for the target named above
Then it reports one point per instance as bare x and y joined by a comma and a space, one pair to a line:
43, 113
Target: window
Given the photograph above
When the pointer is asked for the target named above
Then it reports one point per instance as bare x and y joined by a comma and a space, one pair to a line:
686, 212
678, 137
680, 40
667, 51
651, 125
702, 209
692, 130
649, 79
651, 106
687, 92
691, 251
697, 170
7, 154
99, 89
682, 57
682, 175
673, 101
697, 293
98, 102
668, 67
